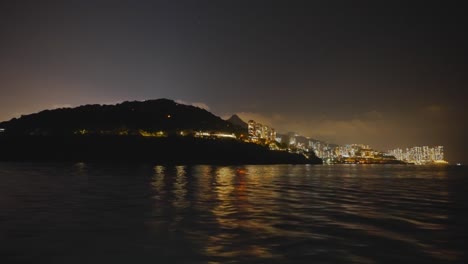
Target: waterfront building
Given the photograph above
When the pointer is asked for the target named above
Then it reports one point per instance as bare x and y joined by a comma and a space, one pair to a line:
419, 155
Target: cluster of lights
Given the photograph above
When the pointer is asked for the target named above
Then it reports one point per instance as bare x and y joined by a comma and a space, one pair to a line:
258, 132
204, 134
325, 151
420, 155
152, 134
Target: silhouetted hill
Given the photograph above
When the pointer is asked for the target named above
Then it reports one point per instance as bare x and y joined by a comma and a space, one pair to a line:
125, 118
236, 120
115, 133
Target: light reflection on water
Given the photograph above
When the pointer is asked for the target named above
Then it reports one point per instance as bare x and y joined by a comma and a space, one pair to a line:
216, 214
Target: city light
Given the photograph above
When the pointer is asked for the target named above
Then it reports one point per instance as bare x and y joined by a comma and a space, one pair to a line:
258, 132
420, 155
152, 134
205, 134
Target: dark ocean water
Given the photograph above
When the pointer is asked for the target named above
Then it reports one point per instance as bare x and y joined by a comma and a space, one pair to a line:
139, 213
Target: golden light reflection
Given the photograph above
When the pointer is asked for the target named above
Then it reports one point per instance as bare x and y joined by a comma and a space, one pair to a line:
224, 188
228, 210
158, 181
180, 188
235, 211
158, 184
204, 182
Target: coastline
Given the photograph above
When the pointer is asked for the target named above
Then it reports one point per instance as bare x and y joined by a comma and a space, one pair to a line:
169, 150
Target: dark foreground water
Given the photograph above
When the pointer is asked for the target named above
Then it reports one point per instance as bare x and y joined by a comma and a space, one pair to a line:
107, 213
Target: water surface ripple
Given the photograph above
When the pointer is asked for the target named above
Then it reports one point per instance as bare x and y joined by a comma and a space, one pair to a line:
105, 213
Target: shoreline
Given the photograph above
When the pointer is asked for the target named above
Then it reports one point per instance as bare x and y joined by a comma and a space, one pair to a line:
169, 150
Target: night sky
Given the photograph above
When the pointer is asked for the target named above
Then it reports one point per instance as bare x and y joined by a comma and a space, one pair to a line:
387, 74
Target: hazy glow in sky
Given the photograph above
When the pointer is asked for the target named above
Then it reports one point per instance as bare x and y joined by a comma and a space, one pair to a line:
389, 75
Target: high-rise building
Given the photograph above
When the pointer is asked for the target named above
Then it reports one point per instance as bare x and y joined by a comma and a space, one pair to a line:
258, 131
419, 155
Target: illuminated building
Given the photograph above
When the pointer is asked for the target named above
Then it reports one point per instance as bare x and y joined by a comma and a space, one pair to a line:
257, 132
367, 153
272, 135
292, 141
420, 155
